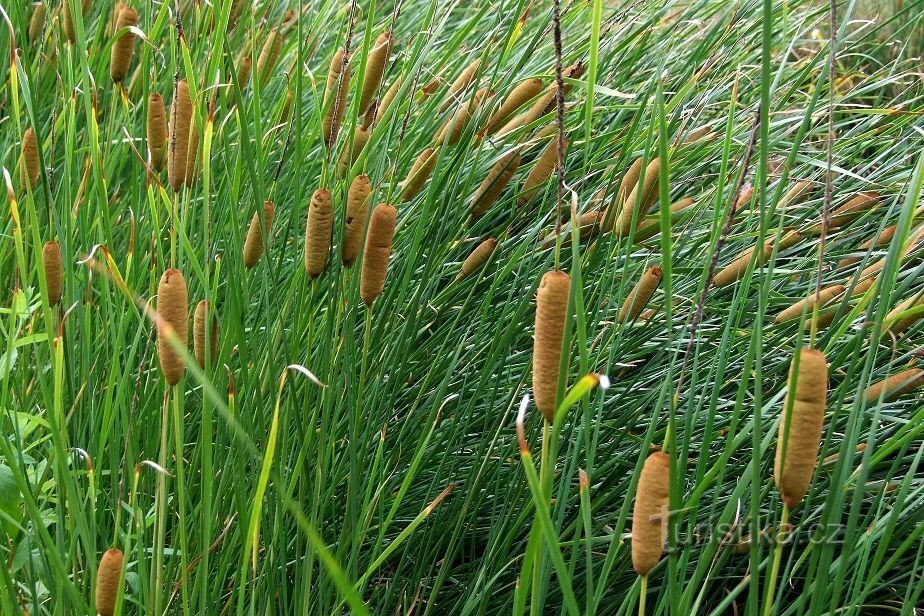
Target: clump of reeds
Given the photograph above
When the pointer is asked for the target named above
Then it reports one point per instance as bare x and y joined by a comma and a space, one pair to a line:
551, 318
269, 55
650, 514
123, 49
377, 252
51, 263
335, 95
157, 130
735, 270
494, 183
800, 426
420, 172
638, 298
540, 173
205, 350
357, 213
822, 298
108, 581
894, 386
524, 92
29, 169
376, 61
477, 258
318, 232
254, 243
172, 306
183, 138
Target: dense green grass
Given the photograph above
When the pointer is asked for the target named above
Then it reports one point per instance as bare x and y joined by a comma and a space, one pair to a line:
340, 459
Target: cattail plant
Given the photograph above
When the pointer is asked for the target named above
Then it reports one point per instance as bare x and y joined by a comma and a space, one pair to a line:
157, 131
697, 133
420, 172
376, 61
205, 350
551, 319
800, 426
641, 197
545, 103
822, 298
904, 315
519, 96
112, 27
638, 298
588, 227
650, 513
477, 258
29, 170
650, 226
243, 72
180, 149
797, 194
351, 154
269, 55
67, 21
357, 213
882, 239
626, 186
387, 100
847, 212
318, 232
237, 6
894, 386
37, 21
540, 173
494, 183
377, 252
454, 127
108, 581
735, 270
51, 263
286, 107
120, 58
254, 244
172, 314
338, 83
461, 84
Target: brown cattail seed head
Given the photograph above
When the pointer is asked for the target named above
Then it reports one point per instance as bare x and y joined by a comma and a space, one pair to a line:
29, 171
350, 155
357, 213
420, 172
243, 72
179, 151
551, 317
318, 232
807, 305
519, 96
70, 30
37, 21
157, 130
642, 195
51, 262
462, 82
454, 127
800, 427
204, 350
387, 100
108, 580
650, 515
640, 295
254, 243
894, 386
172, 307
847, 212
120, 58
494, 183
540, 172
266, 62
375, 69
903, 316
377, 252
335, 96
477, 258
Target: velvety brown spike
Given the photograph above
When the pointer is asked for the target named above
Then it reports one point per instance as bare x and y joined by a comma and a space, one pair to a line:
157, 131
29, 169
454, 127
650, 514
37, 21
286, 107
638, 201
181, 129
172, 308
192, 169
800, 427
545, 103
650, 226
254, 244
477, 258
894, 386
735, 270
626, 186
108, 581
67, 22
697, 133
904, 315
883, 239
318, 232
847, 212
112, 26
493, 185
540, 173
51, 261
269, 55
807, 305
462, 82
204, 350
243, 72
551, 319
640, 295
237, 7
335, 96
350, 155
796, 195
420, 172
519, 96
377, 252
588, 226
387, 100
357, 214
376, 62
123, 49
